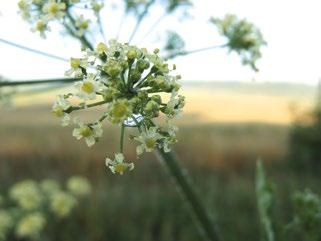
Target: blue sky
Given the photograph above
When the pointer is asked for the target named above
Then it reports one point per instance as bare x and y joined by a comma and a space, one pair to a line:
291, 28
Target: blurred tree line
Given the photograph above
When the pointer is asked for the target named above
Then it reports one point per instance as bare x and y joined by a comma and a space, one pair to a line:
305, 139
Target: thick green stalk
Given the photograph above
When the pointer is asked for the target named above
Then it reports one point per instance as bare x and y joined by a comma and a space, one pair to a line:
122, 134
183, 181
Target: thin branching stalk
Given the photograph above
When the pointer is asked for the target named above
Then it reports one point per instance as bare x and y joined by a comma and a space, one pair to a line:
153, 27
121, 25
36, 82
194, 51
82, 107
83, 39
139, 20
101, 28
184, 183
33, 50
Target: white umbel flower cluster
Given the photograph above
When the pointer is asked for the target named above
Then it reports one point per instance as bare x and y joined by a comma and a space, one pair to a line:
28, 206
41, 13
133, 87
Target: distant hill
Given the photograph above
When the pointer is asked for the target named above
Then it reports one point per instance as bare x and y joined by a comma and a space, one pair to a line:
266, 88
219, 101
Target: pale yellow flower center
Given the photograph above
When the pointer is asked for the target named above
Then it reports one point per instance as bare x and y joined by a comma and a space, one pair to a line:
150, 142
22, 5
120, 167
40, 26
120, 110
74, 63
58, 111
101, 47
96, 7
87, 87
83, 25
53, 8
85, 131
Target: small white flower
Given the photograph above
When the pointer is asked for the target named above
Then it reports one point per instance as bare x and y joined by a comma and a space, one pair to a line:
78, 186
53, 10
170, 138
41, 26
96, 6
62, 203
24, 8
174, 106
82, 25
158, 63
91, 133
88, 88
27, 194
6, 222
50, 186
59, 107
31, 225
118, 165
76, 65
100, 49
119, 110
148, 140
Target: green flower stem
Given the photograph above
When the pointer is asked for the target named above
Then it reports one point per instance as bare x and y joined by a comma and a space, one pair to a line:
142, 80
101, 27
83, 38
194, 51
153, 27
86, 106
128, 75
137, 124
140, 19
184, 183
33, 50
122, 134
33, 82
121, 25
103, 118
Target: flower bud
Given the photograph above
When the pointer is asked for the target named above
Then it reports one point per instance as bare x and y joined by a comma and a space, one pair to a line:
157, 99
135, 75
142, 64
132, 54
113, 68
101, 48
152, 108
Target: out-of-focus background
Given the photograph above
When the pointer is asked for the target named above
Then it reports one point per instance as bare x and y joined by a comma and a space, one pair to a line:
226, 125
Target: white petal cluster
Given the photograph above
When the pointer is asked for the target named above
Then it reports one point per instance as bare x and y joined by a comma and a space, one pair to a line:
62, 203
27, 195
59, 109
118, 165
31, 225
91, 133
41, 13
148, 139
133, 87
30, 205
78, 186
6, 222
